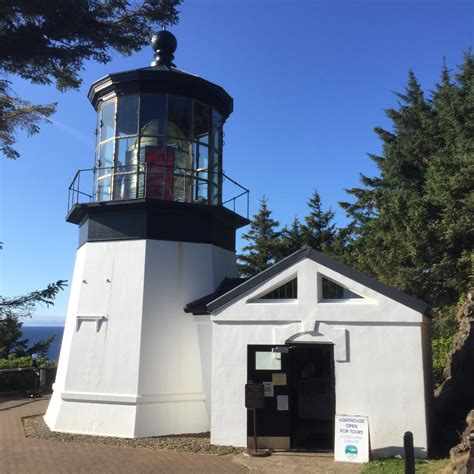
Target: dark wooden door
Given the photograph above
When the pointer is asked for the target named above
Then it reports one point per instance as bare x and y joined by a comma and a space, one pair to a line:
312, 394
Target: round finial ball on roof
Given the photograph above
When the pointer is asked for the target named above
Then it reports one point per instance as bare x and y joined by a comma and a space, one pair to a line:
164, 44
164, 40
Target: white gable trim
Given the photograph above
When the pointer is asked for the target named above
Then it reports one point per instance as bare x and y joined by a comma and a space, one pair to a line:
338, 269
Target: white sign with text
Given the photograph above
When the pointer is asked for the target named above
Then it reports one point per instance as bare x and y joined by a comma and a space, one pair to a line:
352, 438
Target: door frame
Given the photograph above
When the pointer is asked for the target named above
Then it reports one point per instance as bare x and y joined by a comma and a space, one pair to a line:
266, 439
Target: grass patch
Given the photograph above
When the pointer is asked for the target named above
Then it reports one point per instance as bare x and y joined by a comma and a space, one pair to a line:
397, 466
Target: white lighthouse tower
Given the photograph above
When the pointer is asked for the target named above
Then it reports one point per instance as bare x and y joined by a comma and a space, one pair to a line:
154, 234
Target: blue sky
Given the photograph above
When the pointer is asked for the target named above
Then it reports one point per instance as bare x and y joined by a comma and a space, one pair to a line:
310, 81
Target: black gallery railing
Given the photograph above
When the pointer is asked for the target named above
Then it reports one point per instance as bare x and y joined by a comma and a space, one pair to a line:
156, 181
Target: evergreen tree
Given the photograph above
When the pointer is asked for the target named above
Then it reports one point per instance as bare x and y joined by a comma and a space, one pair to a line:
340, 244
17, 114
48, 42
449, 184
291, 238
411, 225
264, 247
318, 231
12, 344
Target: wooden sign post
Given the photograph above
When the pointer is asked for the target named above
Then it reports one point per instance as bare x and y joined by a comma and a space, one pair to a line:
254, 399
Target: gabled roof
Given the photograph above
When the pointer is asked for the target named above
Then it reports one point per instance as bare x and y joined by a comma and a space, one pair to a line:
199, 307
318, 257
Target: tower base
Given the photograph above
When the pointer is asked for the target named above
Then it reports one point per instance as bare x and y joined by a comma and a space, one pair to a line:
126, 419
132, 362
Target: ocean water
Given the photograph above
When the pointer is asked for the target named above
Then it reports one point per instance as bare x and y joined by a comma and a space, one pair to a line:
39, 333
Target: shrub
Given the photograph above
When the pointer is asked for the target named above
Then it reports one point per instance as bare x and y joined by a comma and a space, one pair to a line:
22, 380
441, 348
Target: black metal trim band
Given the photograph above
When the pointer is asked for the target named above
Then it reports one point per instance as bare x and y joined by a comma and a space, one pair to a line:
158, 220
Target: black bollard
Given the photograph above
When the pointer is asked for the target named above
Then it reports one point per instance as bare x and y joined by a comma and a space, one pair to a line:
409, 453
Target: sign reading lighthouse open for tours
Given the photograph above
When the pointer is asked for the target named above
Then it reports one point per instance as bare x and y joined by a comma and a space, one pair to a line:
352, 438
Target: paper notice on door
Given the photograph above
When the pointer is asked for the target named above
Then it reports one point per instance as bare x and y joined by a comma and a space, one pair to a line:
268, 389
282, 402
279, 379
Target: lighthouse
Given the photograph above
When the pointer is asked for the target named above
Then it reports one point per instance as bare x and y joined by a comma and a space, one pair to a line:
157, 221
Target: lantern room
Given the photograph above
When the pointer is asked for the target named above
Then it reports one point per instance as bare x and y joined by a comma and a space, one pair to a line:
162, 146
159, 136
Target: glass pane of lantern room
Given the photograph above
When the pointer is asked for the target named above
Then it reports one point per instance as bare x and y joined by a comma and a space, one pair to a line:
125, 175
127, 115
103, 188
125, 186
152, 114
126, 152
201, 157
107, 121
202, 122
106, 158
181, 152
179, 117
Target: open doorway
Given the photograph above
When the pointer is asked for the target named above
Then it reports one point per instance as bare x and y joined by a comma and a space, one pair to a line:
312, 388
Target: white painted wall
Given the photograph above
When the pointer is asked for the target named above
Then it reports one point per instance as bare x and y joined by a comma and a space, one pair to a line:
173, 344
378, 356
139, 372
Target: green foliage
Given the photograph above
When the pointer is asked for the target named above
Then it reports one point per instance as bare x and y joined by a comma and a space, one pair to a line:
445, 323
24, 362
264, 246
441, 347
269, 245
17, 114
48, 42
291, 238
444, 328
318, 231
412, 225
224, 450
21, 380
16, 362
11, 343
12, 310
10, 334
21, 306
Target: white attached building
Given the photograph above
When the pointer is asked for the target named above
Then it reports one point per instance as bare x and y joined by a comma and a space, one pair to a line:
346, 344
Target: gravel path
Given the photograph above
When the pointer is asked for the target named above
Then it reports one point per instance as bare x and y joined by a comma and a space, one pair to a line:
35, 427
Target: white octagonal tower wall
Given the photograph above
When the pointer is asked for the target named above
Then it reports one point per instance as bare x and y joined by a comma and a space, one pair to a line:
132, 362
97, 376
175, 353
